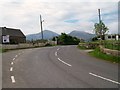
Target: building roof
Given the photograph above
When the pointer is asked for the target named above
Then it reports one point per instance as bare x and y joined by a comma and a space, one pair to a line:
11, 32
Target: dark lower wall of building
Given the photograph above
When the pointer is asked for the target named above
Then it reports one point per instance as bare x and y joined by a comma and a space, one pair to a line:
0, 39
17, 40
14, 40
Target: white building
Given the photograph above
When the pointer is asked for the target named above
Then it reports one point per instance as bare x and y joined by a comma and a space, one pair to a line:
112, 37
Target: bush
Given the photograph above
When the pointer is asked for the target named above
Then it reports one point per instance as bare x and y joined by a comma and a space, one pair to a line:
65, 39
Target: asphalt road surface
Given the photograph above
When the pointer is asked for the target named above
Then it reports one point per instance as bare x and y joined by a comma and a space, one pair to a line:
57, 67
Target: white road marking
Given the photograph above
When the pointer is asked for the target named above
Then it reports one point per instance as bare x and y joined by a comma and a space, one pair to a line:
13, 59
11, 63
11, 69
16, 56
104, 78
13, 79
58, 49
64, 62
55, 53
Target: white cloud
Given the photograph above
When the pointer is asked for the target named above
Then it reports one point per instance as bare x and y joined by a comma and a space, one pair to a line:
24, 14
113, 27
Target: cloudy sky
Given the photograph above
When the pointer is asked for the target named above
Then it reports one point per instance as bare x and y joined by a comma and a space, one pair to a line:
59, 15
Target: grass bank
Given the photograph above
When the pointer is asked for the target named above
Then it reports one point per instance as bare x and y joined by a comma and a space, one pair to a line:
96, 53
112, 44
2, 50
82, 47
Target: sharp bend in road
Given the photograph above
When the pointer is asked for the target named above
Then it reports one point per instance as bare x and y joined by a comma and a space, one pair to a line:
57, 67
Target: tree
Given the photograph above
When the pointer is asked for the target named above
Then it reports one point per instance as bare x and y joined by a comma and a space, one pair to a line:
65, 39
54, 38
100, 29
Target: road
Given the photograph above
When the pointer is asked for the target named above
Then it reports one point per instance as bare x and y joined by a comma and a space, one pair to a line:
57, 67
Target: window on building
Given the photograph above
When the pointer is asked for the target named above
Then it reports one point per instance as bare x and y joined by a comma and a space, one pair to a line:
119, 36
113, 36
109, 36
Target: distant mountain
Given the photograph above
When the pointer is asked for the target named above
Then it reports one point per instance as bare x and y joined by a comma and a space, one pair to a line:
47, 35
50, 34
81, 34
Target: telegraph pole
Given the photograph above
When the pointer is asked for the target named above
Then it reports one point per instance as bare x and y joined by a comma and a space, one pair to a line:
99, 16
41, 26
100, 26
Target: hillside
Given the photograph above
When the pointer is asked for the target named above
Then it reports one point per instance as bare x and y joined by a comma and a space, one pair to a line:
47, 35
50, 34
82, 35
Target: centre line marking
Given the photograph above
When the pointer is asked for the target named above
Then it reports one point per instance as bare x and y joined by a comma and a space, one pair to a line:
104, 78
64, 62
11, 63
58, 49
13, 79
55, 53
16, 55
13, 59
11, 69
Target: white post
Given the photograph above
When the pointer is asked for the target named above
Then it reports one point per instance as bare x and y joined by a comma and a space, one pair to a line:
117, 37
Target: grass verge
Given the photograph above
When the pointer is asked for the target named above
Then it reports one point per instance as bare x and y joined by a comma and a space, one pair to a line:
96, 53
82, 47
112, 44
2, 50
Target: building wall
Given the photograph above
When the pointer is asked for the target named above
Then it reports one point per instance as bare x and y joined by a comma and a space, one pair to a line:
0, 39
0, 35
16, 40
15, 36
112, 37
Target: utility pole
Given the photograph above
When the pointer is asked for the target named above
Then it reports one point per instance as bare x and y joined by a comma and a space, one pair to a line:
41, 26
99, 19
100, 26
99, 16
